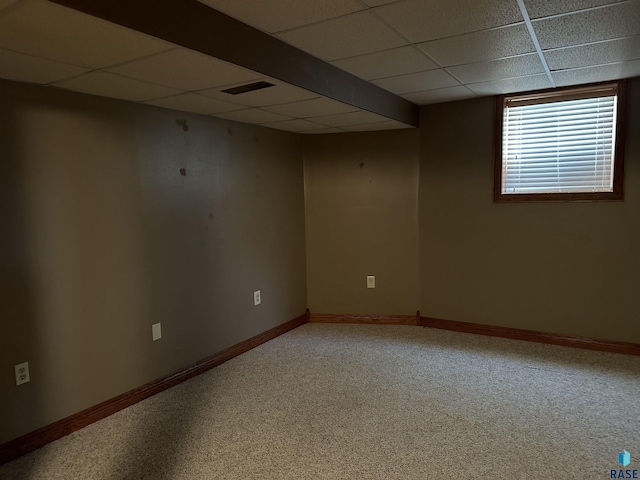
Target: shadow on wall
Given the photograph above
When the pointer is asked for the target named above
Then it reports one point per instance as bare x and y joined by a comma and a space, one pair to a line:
121, 216
19, 339
79, 279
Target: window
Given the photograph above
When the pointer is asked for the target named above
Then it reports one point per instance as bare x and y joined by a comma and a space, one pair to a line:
564, 144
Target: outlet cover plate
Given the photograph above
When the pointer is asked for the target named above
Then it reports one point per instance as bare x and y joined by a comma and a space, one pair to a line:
22, 373
156, 331
257, 299
371, 281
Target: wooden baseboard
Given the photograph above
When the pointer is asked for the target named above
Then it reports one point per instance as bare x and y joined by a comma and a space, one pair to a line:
611, 346
366, 319
38, 438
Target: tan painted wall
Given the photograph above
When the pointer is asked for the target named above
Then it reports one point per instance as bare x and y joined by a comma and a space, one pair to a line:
361, 193
570, 268
102, 236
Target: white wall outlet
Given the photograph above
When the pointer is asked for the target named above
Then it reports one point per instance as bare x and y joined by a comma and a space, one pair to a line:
371, 281
22, 373
156, 331
257, 300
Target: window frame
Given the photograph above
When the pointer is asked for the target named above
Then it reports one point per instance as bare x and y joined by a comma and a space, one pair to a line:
618, 161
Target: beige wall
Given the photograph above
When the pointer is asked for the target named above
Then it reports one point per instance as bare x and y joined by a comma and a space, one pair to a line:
102, 236
361, 194
570, 268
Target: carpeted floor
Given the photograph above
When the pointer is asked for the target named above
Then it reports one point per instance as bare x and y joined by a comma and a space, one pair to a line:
370, 402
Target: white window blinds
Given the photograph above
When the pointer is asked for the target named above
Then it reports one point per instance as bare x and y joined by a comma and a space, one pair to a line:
559, 143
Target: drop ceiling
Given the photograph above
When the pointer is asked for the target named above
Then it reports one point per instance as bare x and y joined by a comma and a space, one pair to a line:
425, 51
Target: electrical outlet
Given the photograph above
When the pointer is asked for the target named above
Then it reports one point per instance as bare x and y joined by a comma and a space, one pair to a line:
22, 373
156, 331
256, 298
371, 281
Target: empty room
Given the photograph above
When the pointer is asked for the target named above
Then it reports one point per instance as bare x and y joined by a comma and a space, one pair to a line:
320, 239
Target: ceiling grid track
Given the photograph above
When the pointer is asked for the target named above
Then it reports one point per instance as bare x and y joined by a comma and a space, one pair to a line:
536, 43
349, 65
413, 45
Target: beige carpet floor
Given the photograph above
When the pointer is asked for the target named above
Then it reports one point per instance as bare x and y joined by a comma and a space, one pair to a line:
370, 402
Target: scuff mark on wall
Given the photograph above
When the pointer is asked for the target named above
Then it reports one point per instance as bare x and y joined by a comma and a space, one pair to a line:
182, 122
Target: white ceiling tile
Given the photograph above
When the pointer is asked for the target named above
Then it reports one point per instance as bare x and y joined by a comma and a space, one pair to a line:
58, 33
277, 15
348, 36
111, 85
369, 127
520, 66
511, 85
252, 115
25, 68
281, 92
297, 125
192, 102
324, 130
600, 73
397, 61
422, 20
479, 46
352, 118
545, 8
417, 82
312, 108
589, 26
439, 95
185, 70
600, 53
